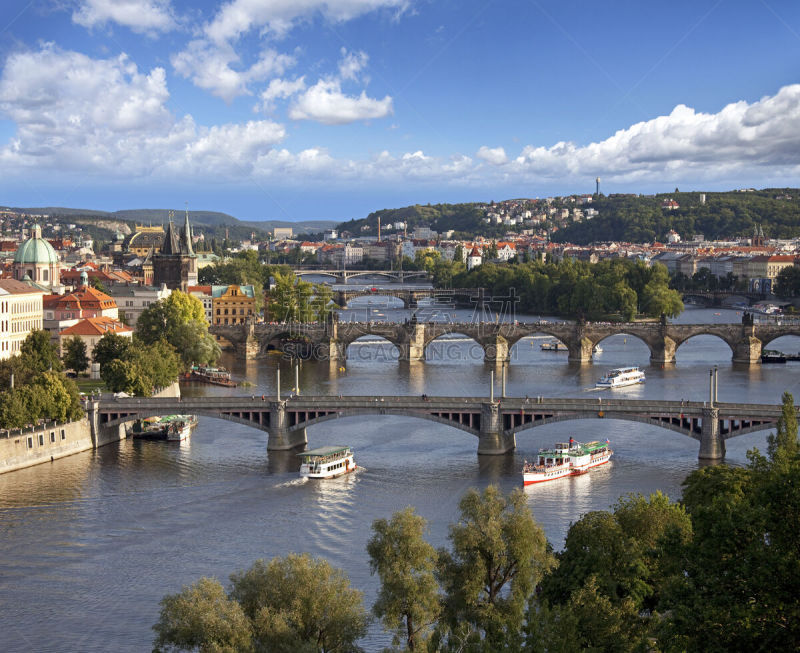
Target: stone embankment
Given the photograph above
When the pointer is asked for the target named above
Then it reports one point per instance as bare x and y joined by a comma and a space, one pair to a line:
43, 443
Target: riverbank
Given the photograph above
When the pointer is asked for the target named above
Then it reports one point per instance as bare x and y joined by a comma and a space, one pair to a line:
43, 443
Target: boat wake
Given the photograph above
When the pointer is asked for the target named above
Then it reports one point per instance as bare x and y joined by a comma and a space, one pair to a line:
294, 482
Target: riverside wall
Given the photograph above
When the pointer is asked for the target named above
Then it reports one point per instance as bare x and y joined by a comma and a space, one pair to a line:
21, 448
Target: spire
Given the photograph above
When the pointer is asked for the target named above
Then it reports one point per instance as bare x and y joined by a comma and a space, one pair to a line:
187, 233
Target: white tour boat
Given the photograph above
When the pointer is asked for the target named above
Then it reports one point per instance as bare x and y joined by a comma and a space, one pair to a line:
620, 377
327, 462
566, 459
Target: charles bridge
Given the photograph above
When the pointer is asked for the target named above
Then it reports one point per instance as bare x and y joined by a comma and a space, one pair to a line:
494, 423
330, 340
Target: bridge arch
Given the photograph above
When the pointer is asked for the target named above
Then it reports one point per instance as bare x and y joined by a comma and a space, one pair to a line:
247, 418
705, 335
386, 409
454, 346
375, 344
514, 341
793, 331
651, 347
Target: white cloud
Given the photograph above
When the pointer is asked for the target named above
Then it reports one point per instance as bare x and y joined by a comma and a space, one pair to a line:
325, 103
138, 15
280, 89
493, 155
74, 114
685, 143
278, 16
210, 67
352, 64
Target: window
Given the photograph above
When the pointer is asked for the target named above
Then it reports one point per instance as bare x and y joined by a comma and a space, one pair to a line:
30, 442
52, 436
63, 434
41, 439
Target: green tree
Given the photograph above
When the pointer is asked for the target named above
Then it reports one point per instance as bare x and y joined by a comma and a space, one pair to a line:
75, 356
408, 600
195, 344
162, 318
112, 346
158, 363
299, 603
202, 618
38, 353
126, 376
180, 320
787, 283
499, 554
782, 446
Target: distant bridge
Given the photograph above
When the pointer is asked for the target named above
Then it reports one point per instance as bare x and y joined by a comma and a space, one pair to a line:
343, 275
718, 297
494, 423
329, 341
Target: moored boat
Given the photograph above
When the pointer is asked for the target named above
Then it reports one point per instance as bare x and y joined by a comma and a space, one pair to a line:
170, 427
327, 462
621, 377
773, 356
553, 346
212, 375
566, 459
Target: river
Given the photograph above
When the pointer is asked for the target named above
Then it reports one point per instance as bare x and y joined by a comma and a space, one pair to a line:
91, 543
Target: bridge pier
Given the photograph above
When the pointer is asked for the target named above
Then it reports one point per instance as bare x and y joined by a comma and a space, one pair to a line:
496, 350
747, 351
712, 444
580, 350
492, 441
281, 437
662, 352
414, 348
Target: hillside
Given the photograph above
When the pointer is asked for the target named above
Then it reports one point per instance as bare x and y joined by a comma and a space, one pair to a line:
724, 215
210, 219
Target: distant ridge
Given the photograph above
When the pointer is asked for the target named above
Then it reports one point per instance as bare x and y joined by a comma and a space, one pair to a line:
200, 218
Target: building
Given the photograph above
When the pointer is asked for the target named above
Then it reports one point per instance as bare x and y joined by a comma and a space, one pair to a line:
474, 259
37, 260
133, 300
203, 293
20, 313
90, 330
175, 266
144, 240
63, 311
279, 233
233, 304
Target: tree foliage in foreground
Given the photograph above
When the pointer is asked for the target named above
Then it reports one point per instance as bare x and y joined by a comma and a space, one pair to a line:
134, 367
287, 605
498, 556
408, 600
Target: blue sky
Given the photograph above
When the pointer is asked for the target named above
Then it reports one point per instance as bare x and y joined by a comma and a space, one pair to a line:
329, 109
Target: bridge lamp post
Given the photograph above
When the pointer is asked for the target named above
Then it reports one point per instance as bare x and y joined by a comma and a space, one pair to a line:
491, 386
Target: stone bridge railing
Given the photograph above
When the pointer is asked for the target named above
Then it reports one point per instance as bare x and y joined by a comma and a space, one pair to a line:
330, 340
495, 423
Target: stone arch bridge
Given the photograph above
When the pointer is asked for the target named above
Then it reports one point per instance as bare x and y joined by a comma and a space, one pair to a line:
329, 341
343, 275
494, 423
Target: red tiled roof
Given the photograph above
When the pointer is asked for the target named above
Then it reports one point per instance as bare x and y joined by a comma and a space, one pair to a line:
96, 326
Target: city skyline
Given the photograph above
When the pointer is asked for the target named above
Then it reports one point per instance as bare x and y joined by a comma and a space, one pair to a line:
329, 109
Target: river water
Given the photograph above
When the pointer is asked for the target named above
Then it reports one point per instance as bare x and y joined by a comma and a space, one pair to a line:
91, 543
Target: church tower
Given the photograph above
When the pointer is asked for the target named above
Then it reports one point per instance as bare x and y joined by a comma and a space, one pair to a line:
176, 264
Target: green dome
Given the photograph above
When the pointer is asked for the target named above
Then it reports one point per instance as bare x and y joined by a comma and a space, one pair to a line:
36, 250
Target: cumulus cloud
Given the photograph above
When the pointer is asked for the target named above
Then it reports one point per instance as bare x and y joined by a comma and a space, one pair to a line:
494, 155
104, 116
326, 103
352, 64
278, 16
211, 68
280, 89
760, 135
138, 15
